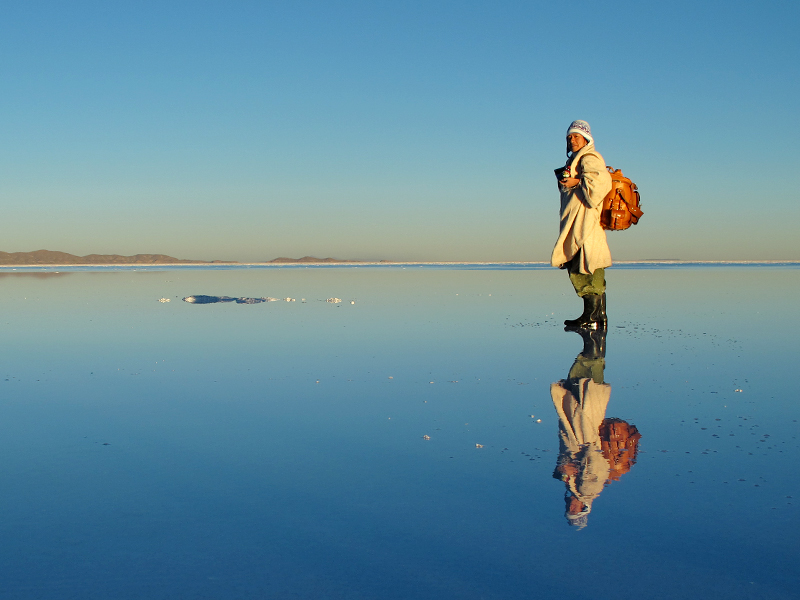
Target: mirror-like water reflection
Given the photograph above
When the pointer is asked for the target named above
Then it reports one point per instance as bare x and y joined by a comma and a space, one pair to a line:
593, 450
401, 443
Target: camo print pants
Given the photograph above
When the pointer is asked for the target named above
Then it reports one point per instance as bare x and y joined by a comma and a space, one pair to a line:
586, 284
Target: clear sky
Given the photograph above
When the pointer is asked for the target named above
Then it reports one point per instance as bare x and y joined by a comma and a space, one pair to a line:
413, 130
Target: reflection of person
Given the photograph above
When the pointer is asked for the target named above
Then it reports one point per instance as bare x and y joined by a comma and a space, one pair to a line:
581, 247
593, 450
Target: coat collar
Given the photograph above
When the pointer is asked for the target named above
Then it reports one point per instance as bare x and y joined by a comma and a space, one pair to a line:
587, 149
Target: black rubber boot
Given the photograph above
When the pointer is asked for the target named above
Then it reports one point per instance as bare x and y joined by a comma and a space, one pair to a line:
591, 313
602, 321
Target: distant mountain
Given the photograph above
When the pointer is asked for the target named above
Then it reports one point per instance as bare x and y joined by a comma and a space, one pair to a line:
309, 259
50, 257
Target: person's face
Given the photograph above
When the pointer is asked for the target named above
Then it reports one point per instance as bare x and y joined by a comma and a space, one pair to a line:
575, 141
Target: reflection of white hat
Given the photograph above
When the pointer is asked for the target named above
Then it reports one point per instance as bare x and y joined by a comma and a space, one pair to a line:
580, 520
583, 128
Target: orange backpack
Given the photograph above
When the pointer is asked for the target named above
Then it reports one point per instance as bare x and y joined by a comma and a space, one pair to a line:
621, 204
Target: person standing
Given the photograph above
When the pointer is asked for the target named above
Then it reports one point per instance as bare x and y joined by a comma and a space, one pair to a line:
581, 247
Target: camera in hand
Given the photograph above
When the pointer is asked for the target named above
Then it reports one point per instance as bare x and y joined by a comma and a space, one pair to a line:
563, 172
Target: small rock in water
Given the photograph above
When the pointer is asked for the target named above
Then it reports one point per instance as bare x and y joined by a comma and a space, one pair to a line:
203, 299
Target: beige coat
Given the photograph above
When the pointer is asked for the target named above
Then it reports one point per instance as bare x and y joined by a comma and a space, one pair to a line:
581, 233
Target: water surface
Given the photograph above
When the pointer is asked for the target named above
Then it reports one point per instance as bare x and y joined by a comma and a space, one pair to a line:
277, 450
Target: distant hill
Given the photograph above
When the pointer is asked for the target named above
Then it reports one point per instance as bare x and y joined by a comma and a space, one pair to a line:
309, 259
50, 257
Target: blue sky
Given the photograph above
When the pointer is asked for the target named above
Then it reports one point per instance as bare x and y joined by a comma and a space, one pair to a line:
393, 130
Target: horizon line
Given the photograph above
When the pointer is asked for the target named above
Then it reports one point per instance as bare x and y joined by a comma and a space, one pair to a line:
350, 263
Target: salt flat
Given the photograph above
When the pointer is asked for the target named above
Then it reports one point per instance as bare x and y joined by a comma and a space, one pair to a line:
278, 449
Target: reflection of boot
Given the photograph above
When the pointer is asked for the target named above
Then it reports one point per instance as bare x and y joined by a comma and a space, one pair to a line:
598, 344
591, 313
594, 341
590, 363
602, 317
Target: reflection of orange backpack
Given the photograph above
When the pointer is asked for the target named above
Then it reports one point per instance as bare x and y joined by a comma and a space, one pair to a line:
619, 442
621, 204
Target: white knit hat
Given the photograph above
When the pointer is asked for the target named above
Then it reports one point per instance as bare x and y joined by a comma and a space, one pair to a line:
583, 128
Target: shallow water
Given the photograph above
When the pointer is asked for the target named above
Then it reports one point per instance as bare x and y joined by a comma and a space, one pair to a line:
276, 450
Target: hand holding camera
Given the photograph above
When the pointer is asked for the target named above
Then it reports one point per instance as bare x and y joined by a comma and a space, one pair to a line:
564, 176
